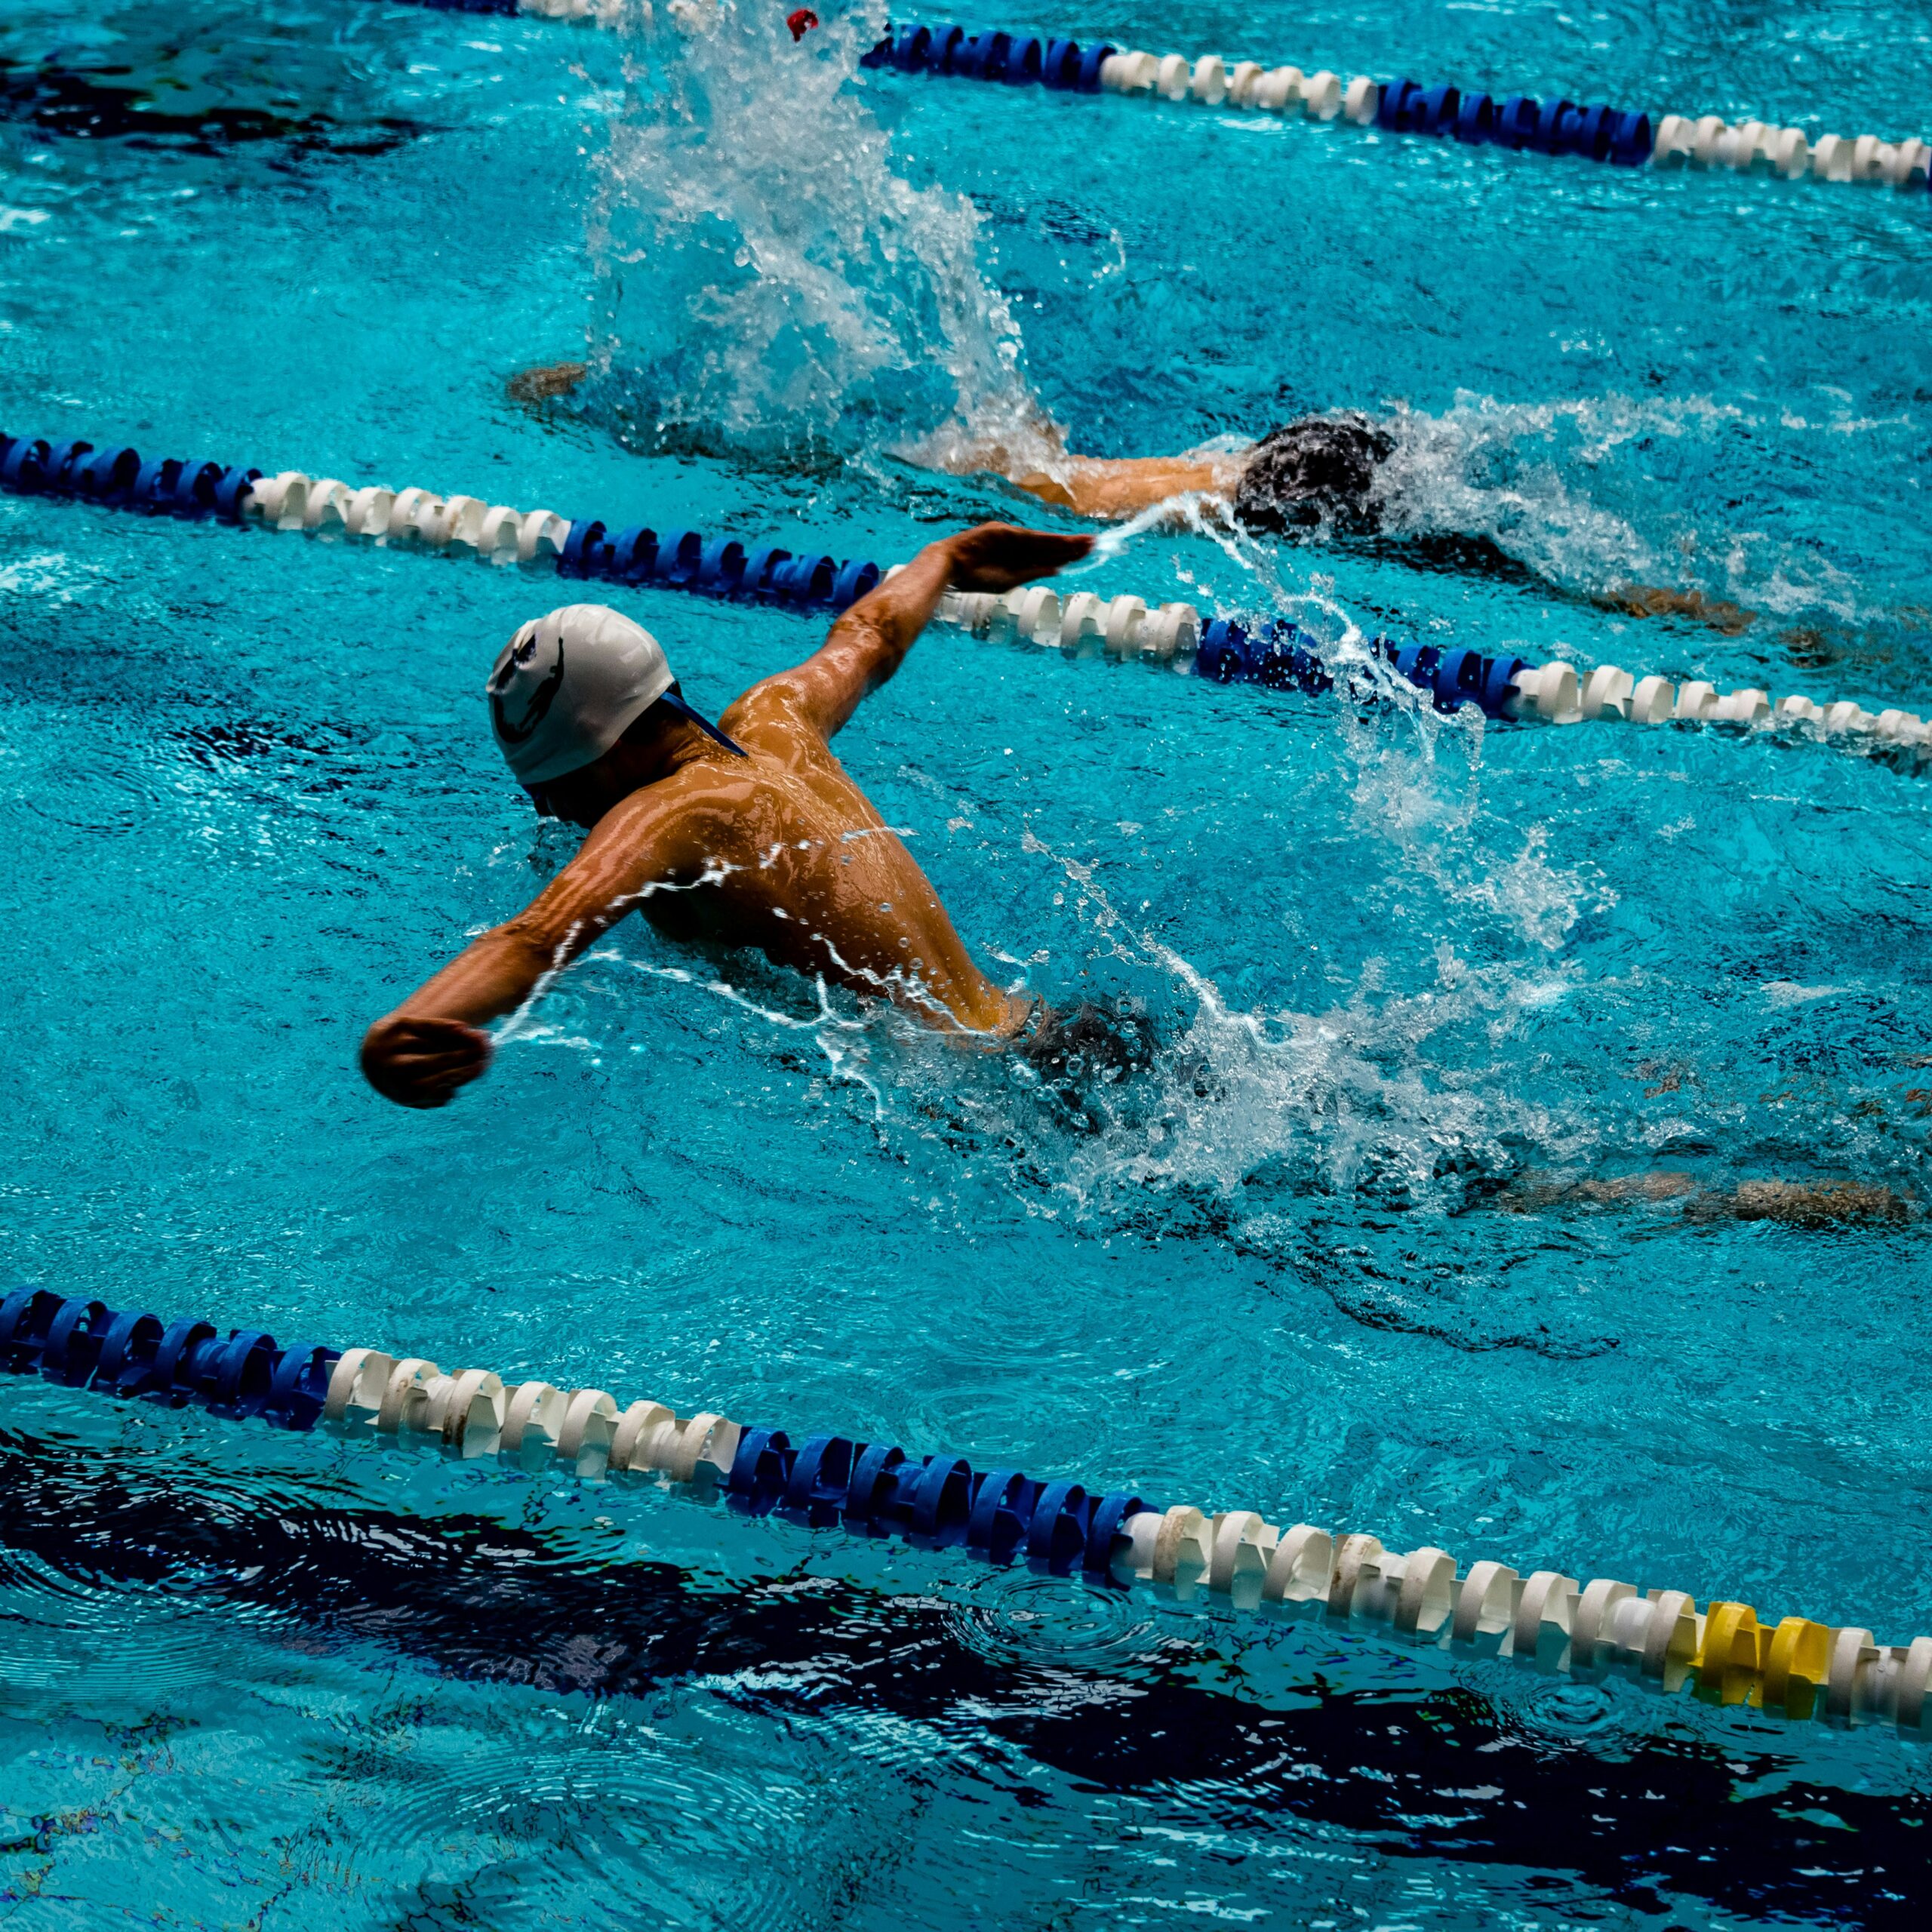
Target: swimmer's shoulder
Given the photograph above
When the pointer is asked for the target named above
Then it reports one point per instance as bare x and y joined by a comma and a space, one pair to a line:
772, 718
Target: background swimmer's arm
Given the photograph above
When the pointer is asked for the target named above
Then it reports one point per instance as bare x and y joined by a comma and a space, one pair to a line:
1095, 486
432, 1044
869, 642
1125, 486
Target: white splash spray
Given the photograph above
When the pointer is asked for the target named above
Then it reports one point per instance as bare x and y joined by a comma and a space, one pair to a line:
773, 287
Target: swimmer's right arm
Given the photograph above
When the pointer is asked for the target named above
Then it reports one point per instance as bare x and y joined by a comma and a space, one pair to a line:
1101, 487
433, 1043
1111, 487
869, 642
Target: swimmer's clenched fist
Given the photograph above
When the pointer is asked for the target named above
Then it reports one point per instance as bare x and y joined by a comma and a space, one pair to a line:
746, 832
421, 1062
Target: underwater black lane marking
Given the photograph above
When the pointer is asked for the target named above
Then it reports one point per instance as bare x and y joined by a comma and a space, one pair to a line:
70, 103
487, 1603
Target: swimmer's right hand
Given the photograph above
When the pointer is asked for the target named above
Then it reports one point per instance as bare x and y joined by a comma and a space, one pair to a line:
420, 1063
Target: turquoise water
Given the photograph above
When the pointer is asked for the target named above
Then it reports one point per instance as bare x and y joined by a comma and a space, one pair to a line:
1406, 969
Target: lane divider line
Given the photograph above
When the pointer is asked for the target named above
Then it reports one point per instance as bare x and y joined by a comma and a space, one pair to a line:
118, 479
1553, 125
1275, 654
605, 13
1279, 655
1794, 1667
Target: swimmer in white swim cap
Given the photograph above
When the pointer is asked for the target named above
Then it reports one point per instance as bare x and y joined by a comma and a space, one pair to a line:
569, 686
747, 832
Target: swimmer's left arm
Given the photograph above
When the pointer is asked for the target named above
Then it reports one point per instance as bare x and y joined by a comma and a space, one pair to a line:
432, 1044
869, 642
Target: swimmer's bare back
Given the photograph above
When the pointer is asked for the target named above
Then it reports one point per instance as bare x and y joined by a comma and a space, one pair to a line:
780, 850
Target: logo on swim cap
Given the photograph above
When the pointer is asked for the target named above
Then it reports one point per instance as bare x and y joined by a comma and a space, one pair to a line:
540, 700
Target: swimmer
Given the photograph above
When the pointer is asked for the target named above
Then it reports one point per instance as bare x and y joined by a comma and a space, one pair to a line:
1317, 472
745, 833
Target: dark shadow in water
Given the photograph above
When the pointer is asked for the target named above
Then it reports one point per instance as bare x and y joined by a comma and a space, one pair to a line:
113, 104
1442, 1775
1448, 553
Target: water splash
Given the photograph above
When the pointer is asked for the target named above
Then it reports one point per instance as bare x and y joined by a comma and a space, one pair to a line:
774, 288
1568, 489
1508, 472
1242, 1108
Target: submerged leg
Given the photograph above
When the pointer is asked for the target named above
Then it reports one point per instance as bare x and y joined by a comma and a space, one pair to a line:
542, 384
1647, 600
1797, 1204
1803, 1204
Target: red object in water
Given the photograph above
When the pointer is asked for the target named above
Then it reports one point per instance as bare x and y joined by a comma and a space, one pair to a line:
801, 23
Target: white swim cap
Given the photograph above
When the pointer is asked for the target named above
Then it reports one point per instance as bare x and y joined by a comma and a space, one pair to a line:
569, 686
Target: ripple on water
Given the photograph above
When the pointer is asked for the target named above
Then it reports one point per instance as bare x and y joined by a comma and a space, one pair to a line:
104, 798
662, 1817
59, 1631
1565, 1709
1019, 1616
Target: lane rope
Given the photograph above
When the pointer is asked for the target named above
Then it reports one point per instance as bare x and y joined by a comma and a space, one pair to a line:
605, 13
1551, 125
1277, 654
1273, 653
1794, 1667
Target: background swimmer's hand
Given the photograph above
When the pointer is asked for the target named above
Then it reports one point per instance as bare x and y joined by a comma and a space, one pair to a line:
1001, 556
420, 1063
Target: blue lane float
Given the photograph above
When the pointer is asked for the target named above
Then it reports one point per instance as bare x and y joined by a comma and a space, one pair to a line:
1109, 1539
1620, 136
1271, 652
242, 1375
986, 55
936, 1502
1275, 654
1281, 657
587, 549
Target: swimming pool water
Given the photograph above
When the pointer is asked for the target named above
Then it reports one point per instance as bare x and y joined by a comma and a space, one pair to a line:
1405, 969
